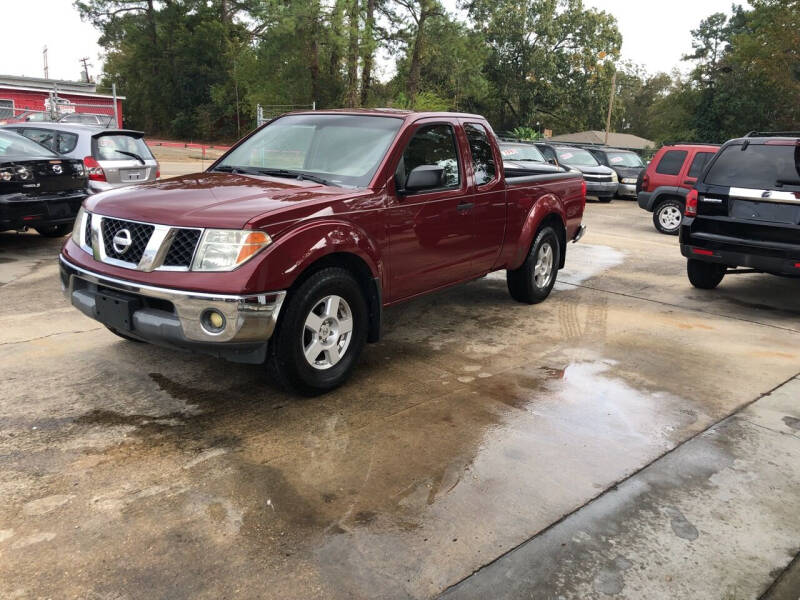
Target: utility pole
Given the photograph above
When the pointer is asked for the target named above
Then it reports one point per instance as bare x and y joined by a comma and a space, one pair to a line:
44, 58
611, 104
86, 65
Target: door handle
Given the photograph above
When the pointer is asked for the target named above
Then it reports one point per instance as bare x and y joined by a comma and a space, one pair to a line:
464, 206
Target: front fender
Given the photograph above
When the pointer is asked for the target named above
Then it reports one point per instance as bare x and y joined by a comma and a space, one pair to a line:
547, 205
294, 251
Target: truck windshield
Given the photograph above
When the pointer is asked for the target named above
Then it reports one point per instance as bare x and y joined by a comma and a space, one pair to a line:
521, 152
757, 166
338, 149
624, 159
576, 157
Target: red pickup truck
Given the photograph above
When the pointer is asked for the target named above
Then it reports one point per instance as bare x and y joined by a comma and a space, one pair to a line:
287, 249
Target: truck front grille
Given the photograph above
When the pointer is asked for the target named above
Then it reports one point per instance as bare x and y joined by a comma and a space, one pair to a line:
139, 236
181, 251
88, 233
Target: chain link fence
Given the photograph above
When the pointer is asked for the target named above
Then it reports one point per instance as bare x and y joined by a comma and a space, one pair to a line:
56, 108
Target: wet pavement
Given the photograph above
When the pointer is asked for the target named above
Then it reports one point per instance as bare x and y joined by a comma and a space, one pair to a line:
478, 437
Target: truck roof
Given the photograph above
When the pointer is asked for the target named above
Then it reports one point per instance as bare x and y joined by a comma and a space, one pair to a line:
390, 112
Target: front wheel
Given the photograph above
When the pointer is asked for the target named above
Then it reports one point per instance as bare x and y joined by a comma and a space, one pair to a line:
704, 275
321, 333
667, 216
532, 282
54, 231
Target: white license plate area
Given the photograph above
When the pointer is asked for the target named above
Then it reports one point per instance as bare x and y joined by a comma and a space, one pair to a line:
133, 174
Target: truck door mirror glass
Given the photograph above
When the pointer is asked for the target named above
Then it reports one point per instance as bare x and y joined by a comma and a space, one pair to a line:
424, 177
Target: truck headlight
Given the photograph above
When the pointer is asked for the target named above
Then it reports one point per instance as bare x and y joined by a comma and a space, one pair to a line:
614, 177
77, 227
226, 249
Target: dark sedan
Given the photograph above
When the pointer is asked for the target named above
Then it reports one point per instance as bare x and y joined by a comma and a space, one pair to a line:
38, 189
625, 163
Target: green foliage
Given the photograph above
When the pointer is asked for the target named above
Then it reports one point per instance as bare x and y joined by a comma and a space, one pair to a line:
197, 68
526, 133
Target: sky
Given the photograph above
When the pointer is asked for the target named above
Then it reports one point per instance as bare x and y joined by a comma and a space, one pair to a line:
655, 34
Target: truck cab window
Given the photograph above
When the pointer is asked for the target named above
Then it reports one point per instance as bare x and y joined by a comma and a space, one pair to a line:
432, 145
482, 155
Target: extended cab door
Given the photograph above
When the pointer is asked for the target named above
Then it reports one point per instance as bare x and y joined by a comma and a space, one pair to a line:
488, 196
430, 231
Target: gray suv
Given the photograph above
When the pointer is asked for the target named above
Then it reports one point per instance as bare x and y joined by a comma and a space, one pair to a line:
112, 157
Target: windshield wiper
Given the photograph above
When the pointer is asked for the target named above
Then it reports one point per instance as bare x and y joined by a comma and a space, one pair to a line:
131, 154
294, 174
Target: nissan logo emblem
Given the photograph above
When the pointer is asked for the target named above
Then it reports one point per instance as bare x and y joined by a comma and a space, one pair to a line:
122, 241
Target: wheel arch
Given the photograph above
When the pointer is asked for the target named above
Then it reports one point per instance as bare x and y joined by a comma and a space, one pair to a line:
369, 283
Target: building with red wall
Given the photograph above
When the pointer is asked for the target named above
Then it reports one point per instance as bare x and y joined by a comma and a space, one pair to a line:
21, 94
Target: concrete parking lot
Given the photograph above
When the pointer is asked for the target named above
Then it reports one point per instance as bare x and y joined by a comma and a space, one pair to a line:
631, 437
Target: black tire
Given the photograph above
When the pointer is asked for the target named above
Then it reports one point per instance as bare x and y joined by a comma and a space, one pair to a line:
704, 275
605, 199
286, 359
124, 336
54, 231
522, 283
665, 217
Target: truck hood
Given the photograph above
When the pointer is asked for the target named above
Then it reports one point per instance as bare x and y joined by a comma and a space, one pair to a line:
220, 200
598, 170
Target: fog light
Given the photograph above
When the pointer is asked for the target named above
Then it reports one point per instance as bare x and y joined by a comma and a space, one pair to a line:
213, 321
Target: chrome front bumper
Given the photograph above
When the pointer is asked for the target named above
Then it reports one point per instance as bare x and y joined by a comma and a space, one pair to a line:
174, 317
627, 189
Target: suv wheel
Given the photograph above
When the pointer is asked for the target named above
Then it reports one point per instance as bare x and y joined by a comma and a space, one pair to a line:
704, 275
668, 215
532, 282
320, 334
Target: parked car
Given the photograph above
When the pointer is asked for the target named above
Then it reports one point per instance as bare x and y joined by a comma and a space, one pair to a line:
112, 157
27, 116
601, 182
38, 188
89, 119
522, 158
289, 246
626, 164
663, 186
745, 211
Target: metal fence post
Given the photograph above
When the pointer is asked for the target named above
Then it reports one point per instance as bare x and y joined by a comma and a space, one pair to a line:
314, 105
116, 112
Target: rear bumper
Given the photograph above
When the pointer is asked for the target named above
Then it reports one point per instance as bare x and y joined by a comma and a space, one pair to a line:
174, 318
601, 189
645, 200
18, 212
766, 256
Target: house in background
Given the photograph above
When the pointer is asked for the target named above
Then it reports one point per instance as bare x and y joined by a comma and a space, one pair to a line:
18, 95
623, 141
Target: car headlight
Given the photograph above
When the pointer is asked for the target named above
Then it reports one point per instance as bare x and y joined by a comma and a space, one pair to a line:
614, 177
629, 180
77, 227
226, 249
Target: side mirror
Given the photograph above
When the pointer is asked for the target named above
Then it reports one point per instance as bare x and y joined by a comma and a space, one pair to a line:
552, 161
424, 177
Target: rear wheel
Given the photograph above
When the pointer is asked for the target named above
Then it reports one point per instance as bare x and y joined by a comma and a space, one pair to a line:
54, 231
533, 281
704, 275
321, 333
668, 215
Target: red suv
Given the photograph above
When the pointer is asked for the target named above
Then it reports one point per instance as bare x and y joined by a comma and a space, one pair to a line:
662, 188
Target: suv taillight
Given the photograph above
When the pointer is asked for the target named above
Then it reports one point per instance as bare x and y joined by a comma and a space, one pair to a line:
646, 182
691, 204
93, 169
